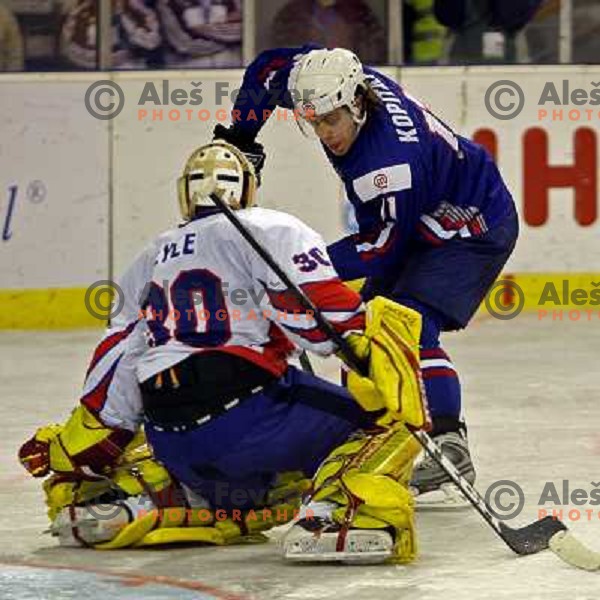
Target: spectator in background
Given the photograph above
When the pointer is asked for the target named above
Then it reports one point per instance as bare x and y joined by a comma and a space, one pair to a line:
201, 33
544, 33
67, 5
331, 23
484, 31
135, 27
423, 34
11, 42
586, 31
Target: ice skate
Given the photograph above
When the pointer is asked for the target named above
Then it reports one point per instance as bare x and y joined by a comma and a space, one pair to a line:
318, 539
432, 487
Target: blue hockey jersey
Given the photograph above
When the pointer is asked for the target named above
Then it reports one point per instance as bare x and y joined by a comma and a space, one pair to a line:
409, 177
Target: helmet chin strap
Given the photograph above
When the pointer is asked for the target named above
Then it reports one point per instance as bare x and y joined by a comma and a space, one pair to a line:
359, 119
359, 113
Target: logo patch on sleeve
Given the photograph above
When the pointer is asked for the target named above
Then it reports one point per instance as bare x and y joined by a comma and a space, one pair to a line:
386, 180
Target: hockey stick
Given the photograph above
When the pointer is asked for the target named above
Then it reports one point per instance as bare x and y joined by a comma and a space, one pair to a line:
530, 539
352, 360
305, 363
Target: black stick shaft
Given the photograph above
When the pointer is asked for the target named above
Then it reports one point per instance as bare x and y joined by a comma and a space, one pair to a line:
305, 363
470, 492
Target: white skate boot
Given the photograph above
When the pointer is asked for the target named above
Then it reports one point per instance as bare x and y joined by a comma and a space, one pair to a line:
96, 523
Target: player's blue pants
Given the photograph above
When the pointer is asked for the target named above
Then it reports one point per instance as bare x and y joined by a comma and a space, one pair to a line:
291, 426
440, 378
446, 284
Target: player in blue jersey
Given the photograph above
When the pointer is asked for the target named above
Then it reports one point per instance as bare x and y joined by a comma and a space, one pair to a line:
436, 221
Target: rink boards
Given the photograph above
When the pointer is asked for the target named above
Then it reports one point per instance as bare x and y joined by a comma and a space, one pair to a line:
79, 196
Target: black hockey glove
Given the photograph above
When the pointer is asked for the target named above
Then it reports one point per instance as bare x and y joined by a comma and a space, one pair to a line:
253, 151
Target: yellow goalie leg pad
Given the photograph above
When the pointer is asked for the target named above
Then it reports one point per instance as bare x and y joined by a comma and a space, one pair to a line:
201, 525
60, 493
183, 525
368, 478
163, 527
391, 343
129, 477
134, 466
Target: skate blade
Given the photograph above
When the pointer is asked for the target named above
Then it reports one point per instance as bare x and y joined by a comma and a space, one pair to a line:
322, 548
348, 558
447, 497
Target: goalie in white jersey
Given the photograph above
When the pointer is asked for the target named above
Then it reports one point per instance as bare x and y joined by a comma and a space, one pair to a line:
198, 355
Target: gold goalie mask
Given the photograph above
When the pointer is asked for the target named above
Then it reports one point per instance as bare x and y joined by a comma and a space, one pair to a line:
216, 167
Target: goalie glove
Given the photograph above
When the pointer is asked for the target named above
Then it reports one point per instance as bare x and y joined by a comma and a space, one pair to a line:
390, 344
83, 447
34, 454
253, 150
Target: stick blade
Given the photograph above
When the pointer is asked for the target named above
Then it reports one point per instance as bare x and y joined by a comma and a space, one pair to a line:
533, 538
568, 548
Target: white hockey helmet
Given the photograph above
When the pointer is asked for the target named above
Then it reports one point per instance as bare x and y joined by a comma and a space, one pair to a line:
219, 167
323, 80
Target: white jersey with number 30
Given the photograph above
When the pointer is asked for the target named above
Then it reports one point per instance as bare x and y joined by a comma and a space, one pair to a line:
202, 287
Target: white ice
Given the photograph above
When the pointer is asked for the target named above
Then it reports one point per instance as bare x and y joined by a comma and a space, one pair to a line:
531, 401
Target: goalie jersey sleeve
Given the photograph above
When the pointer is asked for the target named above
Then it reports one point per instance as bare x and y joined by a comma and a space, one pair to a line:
302, 254
111, 390
143, 340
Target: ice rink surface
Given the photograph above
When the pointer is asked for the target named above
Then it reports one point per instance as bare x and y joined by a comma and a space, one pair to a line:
531, 396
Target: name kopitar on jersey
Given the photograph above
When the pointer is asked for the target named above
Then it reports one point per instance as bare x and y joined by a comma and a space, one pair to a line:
403, 124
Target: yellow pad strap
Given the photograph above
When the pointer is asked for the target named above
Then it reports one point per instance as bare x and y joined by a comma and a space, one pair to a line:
132, 533
182, 535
